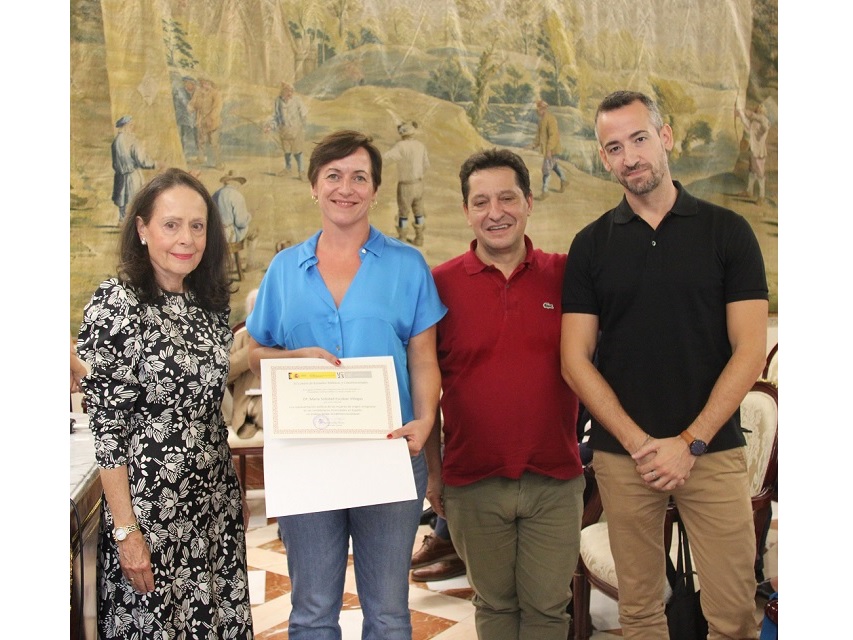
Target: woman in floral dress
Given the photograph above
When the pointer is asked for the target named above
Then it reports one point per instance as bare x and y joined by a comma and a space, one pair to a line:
172, 550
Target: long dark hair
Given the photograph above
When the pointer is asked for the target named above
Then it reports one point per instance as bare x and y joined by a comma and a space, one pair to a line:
209, 280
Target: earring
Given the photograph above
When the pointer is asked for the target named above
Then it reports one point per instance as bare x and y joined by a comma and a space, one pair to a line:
373, 204
143, 241
314, 199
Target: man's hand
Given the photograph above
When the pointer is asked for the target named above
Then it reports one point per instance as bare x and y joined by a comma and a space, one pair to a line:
435, 494
664, 464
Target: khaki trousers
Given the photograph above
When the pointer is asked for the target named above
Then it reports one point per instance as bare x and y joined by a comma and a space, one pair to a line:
714, 505
520, 541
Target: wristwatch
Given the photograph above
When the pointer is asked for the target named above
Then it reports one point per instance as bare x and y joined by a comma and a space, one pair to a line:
120, 533
697, 447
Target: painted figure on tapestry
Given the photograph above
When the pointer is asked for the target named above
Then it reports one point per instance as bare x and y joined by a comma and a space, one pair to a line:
547, 142
412, 162
758, 126
182, 93
206, 105
289, 120
129, 158
232, 207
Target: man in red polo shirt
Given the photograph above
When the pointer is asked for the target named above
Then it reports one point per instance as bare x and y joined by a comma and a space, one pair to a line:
510, 482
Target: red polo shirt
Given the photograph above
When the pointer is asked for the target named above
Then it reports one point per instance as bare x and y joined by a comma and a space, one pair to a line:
505, 404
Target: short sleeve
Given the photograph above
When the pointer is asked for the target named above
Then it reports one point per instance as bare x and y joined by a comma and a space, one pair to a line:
430, 309
110, 343
578, 289
264, 322
745, 274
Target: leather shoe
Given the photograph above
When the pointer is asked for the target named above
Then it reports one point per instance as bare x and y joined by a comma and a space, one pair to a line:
441, 570
432, 550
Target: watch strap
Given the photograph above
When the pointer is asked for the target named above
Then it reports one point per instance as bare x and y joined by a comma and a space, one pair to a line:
688, 437
127, 530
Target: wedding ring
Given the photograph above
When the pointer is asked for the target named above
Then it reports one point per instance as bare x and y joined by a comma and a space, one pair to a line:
654, 475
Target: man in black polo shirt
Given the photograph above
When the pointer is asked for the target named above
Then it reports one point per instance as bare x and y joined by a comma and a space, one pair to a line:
676, 288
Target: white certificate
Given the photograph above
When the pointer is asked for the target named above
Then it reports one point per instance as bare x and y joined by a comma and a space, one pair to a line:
306, 476
310, 398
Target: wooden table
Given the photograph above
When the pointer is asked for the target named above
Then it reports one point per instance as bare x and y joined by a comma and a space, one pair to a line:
85, 510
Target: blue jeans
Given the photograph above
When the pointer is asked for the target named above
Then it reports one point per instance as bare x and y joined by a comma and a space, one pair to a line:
317, 545
441, 529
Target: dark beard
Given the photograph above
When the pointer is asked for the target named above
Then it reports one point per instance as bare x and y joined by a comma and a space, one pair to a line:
648, 185
643, 188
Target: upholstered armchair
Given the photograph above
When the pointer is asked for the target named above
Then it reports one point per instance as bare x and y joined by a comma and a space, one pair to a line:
759, 421
771, 368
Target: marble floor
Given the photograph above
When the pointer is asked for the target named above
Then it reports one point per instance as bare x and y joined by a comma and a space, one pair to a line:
440, 610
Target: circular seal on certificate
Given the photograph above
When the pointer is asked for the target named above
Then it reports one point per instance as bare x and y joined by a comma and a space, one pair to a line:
321, 422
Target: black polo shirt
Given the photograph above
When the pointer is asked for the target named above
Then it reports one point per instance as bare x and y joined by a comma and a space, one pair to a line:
660, 296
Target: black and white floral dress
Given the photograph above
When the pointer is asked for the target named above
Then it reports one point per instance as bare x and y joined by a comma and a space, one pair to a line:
154, 394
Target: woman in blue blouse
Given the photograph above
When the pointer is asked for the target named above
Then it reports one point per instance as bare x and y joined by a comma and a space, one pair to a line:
350, 291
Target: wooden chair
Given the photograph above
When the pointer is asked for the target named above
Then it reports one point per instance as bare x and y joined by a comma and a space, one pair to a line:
241, 448
771, 368
759, 421
234, 248
771, 619
771, 374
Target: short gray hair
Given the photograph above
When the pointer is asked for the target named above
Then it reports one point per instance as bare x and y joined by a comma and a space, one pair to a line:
622, 98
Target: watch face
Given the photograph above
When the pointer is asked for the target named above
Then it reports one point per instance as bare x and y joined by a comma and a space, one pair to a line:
697, 447
120, 534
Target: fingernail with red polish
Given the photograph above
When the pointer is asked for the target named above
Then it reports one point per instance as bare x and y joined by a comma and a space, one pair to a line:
390, 435
337, 361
